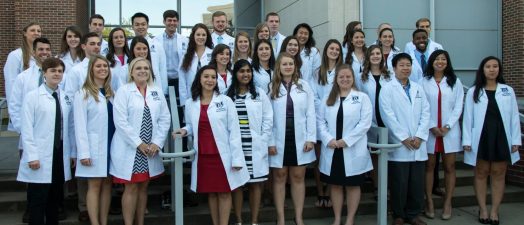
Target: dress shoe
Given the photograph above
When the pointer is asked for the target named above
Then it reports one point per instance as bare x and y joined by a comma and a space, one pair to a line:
484, 220
417, 221
428, 214
398, 221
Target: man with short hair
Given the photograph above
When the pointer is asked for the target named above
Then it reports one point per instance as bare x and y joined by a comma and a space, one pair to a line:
96, 24
424, 24
276, 38
219, 35
419, 55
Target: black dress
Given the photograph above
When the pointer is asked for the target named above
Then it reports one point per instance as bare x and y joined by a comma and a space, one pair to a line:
493, 144
338, 171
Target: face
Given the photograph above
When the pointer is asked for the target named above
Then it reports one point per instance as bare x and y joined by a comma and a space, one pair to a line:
244, 75
387, 38
140, 26
224, 58
200, 37
53, 76
264, 52
302, 35
420, 41
140, 50
375, 57
242, 44
72, 39
425, 26
208, 79
491, 69
171, 24
440, 63
97, 26
287, 66
358, 40
345, 79
100, 69
32, 33
274, 23
119, 39
141, 72
42, 51
264, 33
92, 46
292, 47
219, 24
403, 69
333, 51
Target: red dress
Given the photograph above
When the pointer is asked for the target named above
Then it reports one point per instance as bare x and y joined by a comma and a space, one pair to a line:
439, 142
211, 175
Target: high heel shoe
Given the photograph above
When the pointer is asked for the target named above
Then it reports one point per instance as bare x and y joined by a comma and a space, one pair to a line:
495, 222
484, 220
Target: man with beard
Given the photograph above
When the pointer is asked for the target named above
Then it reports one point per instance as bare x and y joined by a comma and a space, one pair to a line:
219, 34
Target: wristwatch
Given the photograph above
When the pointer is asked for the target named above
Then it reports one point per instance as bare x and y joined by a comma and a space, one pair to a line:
447, 126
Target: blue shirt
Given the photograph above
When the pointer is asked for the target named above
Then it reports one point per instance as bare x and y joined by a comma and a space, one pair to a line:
170, 47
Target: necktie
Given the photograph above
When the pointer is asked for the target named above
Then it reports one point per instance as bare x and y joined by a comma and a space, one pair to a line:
423, 62
58, 121
220, 39
199, 65
274, 43
40, 77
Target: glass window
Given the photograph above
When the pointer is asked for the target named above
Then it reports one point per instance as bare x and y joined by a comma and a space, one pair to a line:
199, 11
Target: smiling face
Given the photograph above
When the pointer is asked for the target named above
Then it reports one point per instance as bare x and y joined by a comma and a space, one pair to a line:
333, 51
141, 73
219, 24
287, 66
440, 63
208, 80
403, 69
171, 24
264, 33
140, 50
420, 40
264, 52
375, 56
119, 39
72, 39
292, 47
53, 76
242, 44
92, 46
224, 57
33, 32
491, 70
345, 79
100, 70
387, 38
358, 40
244, 75
42, 52
302, 35
140, 26
200, 37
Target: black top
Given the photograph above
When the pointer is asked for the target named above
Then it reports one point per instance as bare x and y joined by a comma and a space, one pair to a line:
493, 144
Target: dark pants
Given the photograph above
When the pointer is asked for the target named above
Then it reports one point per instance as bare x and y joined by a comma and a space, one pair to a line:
407, 188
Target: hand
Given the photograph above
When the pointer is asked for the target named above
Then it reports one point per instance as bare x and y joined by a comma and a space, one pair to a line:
467, 148
272, 150
407, 143
153, 149
415, 142
34, 165
308, 146
515, 148
237, 168
85, 162
332, 144
444, 131
73, 162
341, 143
179, 133
143, 147
436, 131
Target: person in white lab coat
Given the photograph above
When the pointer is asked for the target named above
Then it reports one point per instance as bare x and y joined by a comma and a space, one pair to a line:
322, 84
49, 149
350, 28
219, 166
294, 134
491, 134
356, 51
219, 35
290, 46
71, 52
275, 37
309, 54
97, 25
221, 61
93, 105
425, 24
261, 32
142, 121
20, 59
198, 54
263, 64
242, 47
445, 96
386, 41
255, 116
343, 120
117, 55
405, 111
419, 55
140, 48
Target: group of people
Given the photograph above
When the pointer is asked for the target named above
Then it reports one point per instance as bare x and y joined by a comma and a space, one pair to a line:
259, 110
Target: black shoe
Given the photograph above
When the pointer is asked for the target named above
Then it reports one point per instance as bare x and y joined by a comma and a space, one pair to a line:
62, 214
484, 220
25, 217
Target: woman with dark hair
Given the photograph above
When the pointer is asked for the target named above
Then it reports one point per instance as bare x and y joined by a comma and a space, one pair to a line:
117, 55
221, 61
198, 54
350, 28
255, 116
491, 134
356, 51
263, 64
261, 32
343, 120
242, 47
140, 48
70, 49
386, 41
309, 54
291, 46
445, 95
219, 166
294, 134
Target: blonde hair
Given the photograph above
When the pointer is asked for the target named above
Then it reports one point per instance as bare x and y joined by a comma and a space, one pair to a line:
90, 87
277, 76
132, 65
236, 52
27, 49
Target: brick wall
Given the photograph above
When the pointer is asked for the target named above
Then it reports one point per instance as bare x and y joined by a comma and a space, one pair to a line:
513, 62
7, 35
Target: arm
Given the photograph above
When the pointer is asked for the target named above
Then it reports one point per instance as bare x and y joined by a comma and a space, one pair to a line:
80, 117
362, 127
235, 141
515, 122
27, 127
267, 116
120, 117
15, 101
182, 85
423, 124
388, 115
164, 123
467, 119
187, 117
322, 125
311, 117
12, 68
458, 90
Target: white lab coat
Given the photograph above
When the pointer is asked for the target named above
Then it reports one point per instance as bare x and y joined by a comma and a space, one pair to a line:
417, 73
185, 78
128, 111
357, 121
475, 113
279, 40
68, 61
158, 62
389, 61
23, 84
104, 47
38, 128
322, 91
75, 78
119, 73
405, 119
181, 42
224, 85
310, 64
452, 100
226, 39
262, 79
304, 120
91, 131
357, 65
370, 87
432, 46
223, 119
